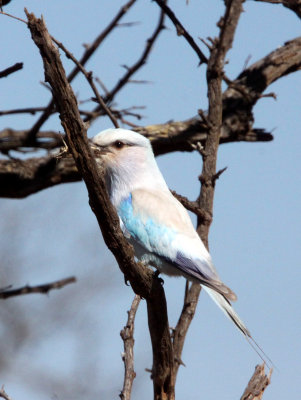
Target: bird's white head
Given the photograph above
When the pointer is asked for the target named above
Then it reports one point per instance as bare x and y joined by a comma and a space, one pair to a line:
128, 160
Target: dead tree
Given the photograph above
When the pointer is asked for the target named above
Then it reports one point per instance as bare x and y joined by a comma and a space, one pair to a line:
229, 118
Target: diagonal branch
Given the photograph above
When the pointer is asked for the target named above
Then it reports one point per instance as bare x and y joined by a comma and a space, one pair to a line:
89, 77
181, 31
130, 71
140, 277
10, 70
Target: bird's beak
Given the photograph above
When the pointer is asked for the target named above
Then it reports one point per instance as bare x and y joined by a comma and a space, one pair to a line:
98, 150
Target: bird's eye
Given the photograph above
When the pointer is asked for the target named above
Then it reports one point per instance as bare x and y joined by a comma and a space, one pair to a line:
118, 144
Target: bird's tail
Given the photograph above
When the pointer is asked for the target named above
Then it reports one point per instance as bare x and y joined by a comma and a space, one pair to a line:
227, 308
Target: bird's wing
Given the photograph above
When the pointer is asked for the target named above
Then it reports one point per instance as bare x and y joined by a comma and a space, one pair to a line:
161, 225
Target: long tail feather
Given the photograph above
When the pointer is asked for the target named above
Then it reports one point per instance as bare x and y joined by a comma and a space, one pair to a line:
228, 310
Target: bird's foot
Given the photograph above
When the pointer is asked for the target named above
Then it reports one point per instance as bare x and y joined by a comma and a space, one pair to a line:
156, 274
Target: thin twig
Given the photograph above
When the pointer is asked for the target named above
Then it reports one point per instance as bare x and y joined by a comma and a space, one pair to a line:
181, 31
10, 70
27, 110
135, 67
44, 289
194, 207
12, 16
89, 77
90, 50
127, 335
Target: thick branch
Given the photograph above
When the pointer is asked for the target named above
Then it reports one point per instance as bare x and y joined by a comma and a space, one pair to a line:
141, 278
43, 289
257, 384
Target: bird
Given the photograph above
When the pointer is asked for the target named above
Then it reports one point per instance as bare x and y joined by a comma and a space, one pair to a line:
154, 221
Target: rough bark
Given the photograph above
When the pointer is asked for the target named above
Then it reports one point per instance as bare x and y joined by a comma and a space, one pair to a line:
141, 278
257, 384
214, 121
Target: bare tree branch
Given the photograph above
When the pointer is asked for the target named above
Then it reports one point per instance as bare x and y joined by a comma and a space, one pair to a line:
86, 56
257, 384
130, 71
215, 67
190, 303
193, 206
3, 394
26, 110
89, 77
19, 179
142, 280
181, 31
127, 335
11, 70
44, 289
238, 101
294, 5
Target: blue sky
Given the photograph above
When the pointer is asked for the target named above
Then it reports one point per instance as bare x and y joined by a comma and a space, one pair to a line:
254, 239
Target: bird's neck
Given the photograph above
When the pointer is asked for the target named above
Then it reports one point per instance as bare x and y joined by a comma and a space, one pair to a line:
121, 183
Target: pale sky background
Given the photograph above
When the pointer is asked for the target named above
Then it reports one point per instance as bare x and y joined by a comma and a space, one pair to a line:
254, 239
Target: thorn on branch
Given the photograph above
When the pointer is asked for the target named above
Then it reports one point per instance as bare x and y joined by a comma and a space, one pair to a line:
206, 43
180, 30
179, 361
204, 118
272, 94
218, 174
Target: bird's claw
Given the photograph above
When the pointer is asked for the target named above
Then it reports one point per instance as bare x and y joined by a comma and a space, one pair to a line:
156, 274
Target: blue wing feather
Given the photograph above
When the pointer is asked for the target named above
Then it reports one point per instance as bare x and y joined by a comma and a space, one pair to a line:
156, 239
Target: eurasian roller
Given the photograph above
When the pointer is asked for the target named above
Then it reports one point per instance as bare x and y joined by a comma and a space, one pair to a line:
153, 220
